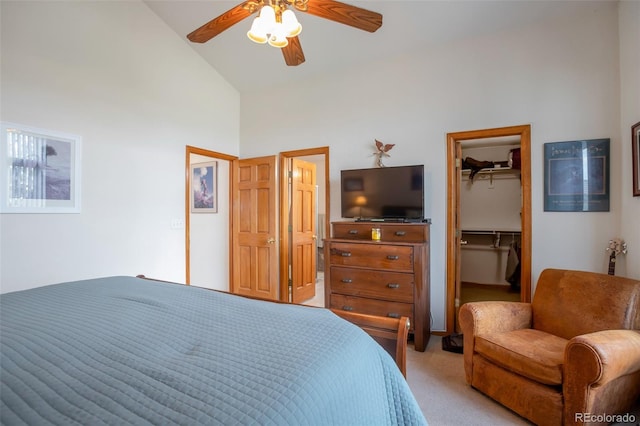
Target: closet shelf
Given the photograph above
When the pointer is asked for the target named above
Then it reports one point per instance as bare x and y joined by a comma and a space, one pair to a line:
494, 170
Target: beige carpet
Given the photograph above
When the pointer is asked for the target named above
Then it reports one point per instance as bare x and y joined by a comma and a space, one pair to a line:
436, 378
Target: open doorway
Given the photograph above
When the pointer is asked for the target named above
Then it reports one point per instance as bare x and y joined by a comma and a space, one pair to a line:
301, 263
490, 220
201, 251
501, 137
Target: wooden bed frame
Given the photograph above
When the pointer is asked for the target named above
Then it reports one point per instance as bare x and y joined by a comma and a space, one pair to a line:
390, 333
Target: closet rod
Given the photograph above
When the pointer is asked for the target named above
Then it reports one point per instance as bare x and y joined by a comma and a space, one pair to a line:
490, 232
484, 247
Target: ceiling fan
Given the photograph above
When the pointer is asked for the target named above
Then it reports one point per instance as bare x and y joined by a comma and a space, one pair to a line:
280, 9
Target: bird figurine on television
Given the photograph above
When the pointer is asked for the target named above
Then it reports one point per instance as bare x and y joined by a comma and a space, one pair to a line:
381, 150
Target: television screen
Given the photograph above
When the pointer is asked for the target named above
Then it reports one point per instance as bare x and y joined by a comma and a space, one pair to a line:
383, 193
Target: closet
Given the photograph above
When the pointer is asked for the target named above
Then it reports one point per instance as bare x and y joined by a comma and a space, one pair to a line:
490, 219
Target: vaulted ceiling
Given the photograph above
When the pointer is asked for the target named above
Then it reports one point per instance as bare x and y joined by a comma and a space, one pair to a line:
408, 26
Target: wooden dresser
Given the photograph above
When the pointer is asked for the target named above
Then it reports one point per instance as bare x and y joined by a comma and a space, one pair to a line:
389, 277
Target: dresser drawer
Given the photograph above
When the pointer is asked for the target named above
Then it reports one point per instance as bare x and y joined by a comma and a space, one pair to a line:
389, 232
353, 230
393, 286
408, 233
372, 307
397, 258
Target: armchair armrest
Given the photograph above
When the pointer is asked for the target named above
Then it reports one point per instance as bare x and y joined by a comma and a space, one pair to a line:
478, 318
597, 358
593, 360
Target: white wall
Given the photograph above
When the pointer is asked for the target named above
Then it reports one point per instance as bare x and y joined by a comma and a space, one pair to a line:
136, 97
562, 77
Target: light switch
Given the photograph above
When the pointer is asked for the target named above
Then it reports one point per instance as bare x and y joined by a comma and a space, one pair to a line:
177, 224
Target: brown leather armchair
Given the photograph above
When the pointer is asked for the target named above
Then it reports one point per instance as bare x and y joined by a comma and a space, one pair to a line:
571, 355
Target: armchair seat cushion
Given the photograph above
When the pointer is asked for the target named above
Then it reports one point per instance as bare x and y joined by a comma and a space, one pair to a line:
531, 353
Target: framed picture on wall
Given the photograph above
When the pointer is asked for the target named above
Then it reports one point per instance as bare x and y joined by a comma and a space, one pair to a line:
576, 176
39, 170
635, 151
204, 187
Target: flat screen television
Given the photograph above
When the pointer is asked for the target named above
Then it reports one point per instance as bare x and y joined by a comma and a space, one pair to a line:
386, 193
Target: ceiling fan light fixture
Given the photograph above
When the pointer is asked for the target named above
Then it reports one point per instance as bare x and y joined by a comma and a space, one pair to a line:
268, 18
274, 27
291, 24
278, 37
257, 33
263, 25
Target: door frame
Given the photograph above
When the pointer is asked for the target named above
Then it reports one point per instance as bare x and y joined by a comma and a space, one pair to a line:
284, 203
187, 201
454, 178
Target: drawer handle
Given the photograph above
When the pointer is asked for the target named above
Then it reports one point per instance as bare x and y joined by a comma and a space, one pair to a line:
393, 285
401, 233
353, 231
392, 257
346, 280
347, 308
393, 315
345, 254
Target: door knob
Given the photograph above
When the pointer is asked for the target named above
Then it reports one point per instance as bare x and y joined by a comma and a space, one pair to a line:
271, 240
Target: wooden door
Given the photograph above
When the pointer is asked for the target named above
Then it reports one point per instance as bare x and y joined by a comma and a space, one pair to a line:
303, 230
255, 248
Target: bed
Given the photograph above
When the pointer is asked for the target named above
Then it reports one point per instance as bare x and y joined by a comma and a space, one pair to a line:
127, 350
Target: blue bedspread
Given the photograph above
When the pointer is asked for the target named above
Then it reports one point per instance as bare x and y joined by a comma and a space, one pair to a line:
123, 350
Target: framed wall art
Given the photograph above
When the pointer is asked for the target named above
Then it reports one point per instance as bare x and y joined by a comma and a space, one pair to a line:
576, 176
204, 187
39, 170
635, 151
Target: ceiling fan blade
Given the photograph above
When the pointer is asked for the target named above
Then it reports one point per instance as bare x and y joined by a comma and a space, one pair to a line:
219, 24
292, 52
345, 14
